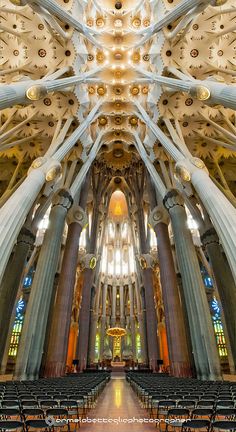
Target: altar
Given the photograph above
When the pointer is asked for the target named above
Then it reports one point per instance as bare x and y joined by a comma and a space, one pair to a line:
118, 364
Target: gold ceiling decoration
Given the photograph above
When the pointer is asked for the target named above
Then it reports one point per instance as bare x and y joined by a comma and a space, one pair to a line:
117, 158
136, 22
134, 90
91, 90
100, 57
100, 22
101, 90
133, 121
118, 23
102, 121
90, 22
136, 57
146, 22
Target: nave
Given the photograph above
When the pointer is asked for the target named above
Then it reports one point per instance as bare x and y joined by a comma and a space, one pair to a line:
107, 401
117, 404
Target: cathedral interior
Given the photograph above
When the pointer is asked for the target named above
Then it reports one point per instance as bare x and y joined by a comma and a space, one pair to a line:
118, 190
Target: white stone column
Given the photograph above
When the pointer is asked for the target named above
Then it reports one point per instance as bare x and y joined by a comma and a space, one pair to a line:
181, 9
103, 318
132, 319
56, 10
220, 210
209, 92
28, 91
15, 210
113, 306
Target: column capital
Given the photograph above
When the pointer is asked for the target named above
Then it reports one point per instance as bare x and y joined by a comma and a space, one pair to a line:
185, 168
77, 215
26, 236
146, 261
50, 167
88, 261
209, 236
158, 215
173, 199
62, 198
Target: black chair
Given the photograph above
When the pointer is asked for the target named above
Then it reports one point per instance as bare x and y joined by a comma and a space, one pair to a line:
32, 413
192, 425
29, 404
10, 403
225, 414
185, 403
205, 404
48, 403
225, 404
203, 413
60, 416
43, 425
224, 425
175, 418
11, 425
71, 406
10, 413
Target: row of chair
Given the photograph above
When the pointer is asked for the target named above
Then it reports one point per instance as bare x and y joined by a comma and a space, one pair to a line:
178, 404
31, 405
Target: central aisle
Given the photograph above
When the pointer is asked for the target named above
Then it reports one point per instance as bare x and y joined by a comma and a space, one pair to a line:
118, 401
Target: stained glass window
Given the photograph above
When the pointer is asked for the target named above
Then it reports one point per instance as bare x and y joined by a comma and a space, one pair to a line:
218, 328
17, 328
138, 346
97, 347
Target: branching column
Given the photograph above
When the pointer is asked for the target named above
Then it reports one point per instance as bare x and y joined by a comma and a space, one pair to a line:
84, 318
113, 306
141, 321
152, 342
15, 210
202, 334
225, 283
60, 328
177, 341
104, 318
132, 319
94, 322
35, 324
11, 281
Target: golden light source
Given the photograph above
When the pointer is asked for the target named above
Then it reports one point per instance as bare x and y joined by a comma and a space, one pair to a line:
116, 332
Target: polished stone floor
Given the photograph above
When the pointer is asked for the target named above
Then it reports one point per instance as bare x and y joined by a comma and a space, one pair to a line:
117, 404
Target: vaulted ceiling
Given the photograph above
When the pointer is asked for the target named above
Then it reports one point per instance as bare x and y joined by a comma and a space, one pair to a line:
34, 45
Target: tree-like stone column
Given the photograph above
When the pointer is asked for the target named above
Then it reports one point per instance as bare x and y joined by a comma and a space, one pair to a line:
113, 306
94, 322
103, 318
181, 9
132, 319
60, 327
219, 208
225, 283
11, 282
88, 277
201, 328
43, 169
176, 335
36, 318
147, 276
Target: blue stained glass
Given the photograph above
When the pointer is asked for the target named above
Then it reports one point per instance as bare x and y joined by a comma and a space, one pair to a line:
208, 282
27, 281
